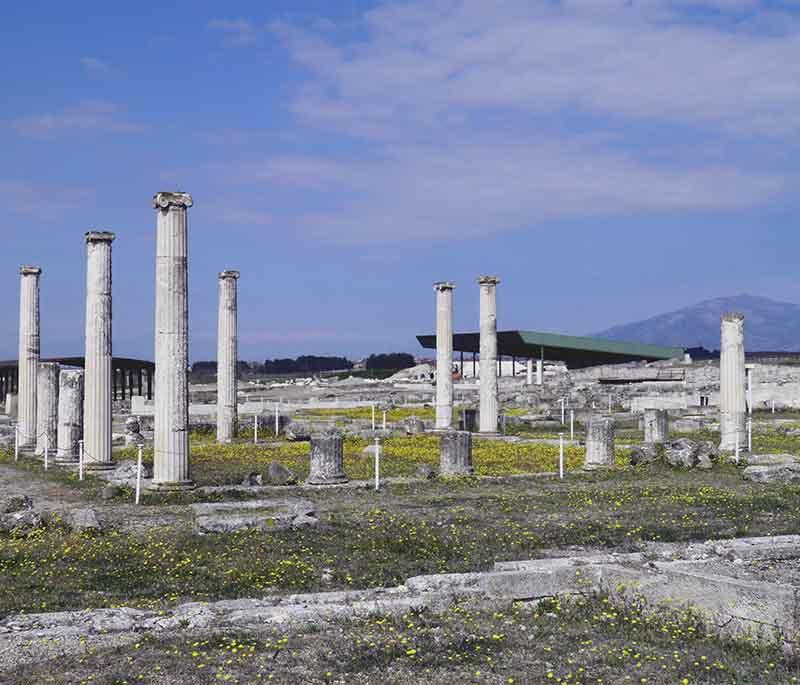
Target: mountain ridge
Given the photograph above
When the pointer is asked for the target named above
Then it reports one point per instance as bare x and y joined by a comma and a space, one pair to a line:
769, 325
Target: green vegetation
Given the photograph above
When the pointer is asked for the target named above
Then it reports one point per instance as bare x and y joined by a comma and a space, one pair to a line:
372, 539
579, 642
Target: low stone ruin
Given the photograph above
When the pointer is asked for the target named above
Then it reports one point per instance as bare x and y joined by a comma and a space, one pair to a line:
327, 459
262, 514
683, 453
133, 432
455, 453
599, 443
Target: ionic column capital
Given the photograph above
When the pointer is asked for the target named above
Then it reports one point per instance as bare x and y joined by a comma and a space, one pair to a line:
30, 271
733, 316
488, 280
228, 274
100, 237
166, 200
440, 286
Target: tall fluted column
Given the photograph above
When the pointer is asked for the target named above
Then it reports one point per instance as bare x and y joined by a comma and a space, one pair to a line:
444, 354
70, 415
47, 407
97, 413
488, 345
171, 458
732, 383
29, 351
227, 357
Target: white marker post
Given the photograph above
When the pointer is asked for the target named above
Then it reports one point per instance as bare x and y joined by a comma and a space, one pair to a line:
373, 416
377, 464
139, 475
750, 435
773, 406
562, 411
255, 429
737, 448
561, 456
80, 459
571, 424
16, 442
384, 420
750, 391
46, 451
277, 420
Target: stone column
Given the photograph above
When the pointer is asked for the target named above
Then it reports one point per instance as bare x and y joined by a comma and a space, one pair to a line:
47, 407
327, 459
444, 354
70, 415
97, 413
455, 453
29, 351
11, 404
539, 372
529, 373
732, 383
488, 348
599, 443
171, 443
227, 357
656, 426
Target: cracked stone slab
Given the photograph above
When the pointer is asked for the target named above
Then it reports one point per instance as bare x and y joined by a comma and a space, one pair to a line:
264, 514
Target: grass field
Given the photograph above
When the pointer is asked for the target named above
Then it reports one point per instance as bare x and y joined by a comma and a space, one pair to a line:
379, 539
580, 642
367, 539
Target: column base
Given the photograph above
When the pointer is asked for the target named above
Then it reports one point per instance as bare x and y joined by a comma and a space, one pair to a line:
457, 474
176, 486
331, 480
99, 465
66, 462
596, 467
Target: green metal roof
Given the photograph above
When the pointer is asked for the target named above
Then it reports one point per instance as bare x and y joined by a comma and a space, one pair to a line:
576, 351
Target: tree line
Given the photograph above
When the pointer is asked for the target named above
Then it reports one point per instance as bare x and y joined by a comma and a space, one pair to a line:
310, 364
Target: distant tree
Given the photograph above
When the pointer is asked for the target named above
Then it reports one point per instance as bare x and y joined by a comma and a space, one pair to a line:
393, 360
309, 364
204, 367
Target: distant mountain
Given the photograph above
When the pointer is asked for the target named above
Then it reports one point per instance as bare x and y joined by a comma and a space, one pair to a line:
768, 325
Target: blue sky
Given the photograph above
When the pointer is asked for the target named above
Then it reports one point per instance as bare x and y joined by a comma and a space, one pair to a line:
607, 160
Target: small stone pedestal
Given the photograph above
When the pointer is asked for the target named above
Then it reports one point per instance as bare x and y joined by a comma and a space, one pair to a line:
469, 419
414, 426
327, 459
599, 443
656, 426
133, 432
11, 405
455, 454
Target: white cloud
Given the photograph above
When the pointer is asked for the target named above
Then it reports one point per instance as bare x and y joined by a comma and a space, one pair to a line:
425, 61
43, 201
92, 116
469, 118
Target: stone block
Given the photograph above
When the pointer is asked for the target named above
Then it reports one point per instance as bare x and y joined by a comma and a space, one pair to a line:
455, 453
